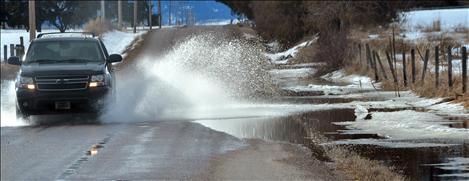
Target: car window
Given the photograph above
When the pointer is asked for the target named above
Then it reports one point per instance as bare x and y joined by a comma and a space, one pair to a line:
64, 51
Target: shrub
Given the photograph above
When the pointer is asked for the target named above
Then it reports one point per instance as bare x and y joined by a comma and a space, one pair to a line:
98, 26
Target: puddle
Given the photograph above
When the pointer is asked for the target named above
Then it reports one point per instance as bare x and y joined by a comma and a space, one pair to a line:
417, 159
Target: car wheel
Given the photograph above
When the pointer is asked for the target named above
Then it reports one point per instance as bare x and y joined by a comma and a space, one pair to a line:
22, 114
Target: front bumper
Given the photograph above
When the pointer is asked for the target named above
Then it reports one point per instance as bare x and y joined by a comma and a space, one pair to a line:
42, 102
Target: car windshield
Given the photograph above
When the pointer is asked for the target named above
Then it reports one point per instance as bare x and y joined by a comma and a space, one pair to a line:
73, 51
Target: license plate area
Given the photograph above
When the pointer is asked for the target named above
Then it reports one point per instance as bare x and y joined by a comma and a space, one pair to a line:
62, 105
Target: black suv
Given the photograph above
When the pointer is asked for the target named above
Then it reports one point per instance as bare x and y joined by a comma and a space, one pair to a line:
64, 74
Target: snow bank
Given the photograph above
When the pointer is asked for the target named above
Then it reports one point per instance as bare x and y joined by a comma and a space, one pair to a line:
116, 42
283, 57
12, 36
218, 22
348, 84
340, 76
449, 18
406, 124
389, 143
292, 73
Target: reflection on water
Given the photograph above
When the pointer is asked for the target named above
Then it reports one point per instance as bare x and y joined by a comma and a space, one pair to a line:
417, 163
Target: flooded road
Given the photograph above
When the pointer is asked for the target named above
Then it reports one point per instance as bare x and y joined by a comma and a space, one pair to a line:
417, 159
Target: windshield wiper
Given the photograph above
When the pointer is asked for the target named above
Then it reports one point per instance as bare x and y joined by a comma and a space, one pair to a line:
42, 61
76, 60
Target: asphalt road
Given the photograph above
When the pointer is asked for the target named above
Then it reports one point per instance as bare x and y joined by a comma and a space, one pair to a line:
81, 148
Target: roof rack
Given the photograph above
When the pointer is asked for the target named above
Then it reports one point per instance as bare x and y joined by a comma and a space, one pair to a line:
83, 33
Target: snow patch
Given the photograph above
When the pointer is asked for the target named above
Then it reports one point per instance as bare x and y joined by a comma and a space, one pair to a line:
116, 42
283, 57
292, 73
407, 124
388, 143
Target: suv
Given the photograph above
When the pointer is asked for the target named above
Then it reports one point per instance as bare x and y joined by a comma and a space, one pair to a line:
64, 74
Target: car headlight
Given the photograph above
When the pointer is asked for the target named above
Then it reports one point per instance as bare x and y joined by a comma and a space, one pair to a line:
97, 80
26, 82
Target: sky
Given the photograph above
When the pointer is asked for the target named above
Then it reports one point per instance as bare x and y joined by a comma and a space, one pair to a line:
205, 11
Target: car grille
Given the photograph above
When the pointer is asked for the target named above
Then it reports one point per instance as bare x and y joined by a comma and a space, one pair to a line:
62, 82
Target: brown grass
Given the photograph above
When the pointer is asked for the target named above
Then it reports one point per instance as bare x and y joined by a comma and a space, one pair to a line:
98, 26
8, 72
305, 55
427, 87
434, 27
360, 168
350, 162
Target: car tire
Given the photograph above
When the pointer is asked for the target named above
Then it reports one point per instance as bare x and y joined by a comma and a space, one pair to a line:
22, 114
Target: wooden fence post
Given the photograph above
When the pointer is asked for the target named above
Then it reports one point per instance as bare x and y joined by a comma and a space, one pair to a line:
391, 67
17, 50
464, 70
375, 67
359, 55
412, 59
368, 57
381, 65
425, 64
450, 68
404, 70
5, 54
21, 41
437, 66
12, 50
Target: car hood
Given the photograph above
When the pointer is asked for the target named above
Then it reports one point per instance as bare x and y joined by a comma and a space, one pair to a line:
37, 69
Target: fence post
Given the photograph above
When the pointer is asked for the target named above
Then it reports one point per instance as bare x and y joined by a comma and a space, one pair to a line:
437, 66
425, 64
450, 68
368, 57
375, 66
404, 68
360, 55
17, 50
412, 59
12, 50
381, 65
5, 53
21, 41
391, 67
464, 70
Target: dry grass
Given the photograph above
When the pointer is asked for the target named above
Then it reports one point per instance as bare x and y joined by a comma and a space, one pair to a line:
8, 72
305, 55
350, 162
98, 26
434, 27
359, 168
426, 87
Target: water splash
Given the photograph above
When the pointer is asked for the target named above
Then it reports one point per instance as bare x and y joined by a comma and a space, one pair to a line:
8, 109
201, 76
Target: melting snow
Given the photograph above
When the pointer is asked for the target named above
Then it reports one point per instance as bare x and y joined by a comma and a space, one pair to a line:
283, 57
406, 124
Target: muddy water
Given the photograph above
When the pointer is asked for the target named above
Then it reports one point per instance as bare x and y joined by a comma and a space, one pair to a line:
446, 161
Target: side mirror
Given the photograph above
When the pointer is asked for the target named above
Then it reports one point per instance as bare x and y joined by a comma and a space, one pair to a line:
14, 60
114, 58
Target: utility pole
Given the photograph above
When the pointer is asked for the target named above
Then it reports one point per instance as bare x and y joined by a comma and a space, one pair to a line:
135, 16
32, 20
149, 14
159, 12
103, 11
119, 14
